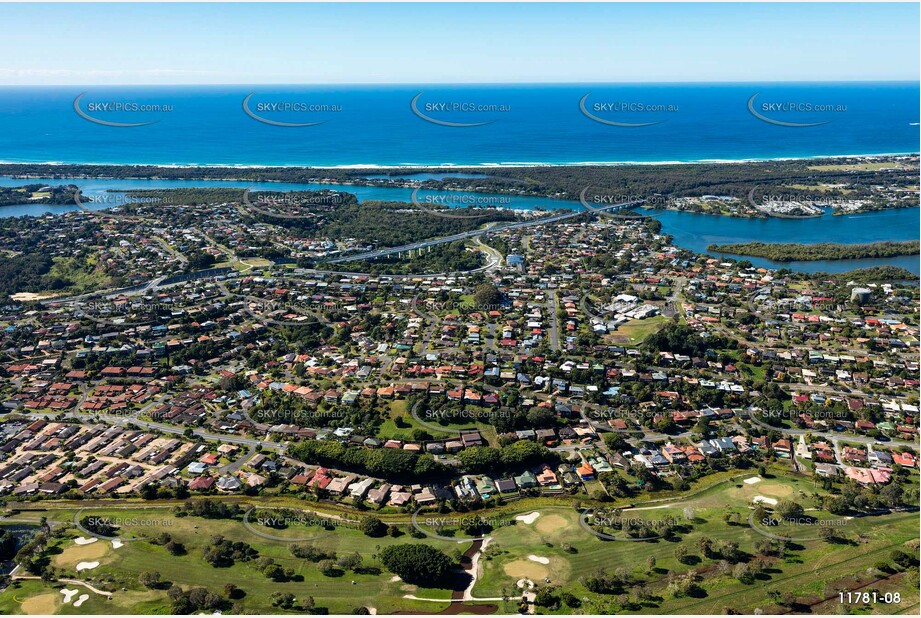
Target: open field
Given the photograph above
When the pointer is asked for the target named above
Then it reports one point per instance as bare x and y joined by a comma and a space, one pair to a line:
635, 331
819, 187
868, 166
388, 429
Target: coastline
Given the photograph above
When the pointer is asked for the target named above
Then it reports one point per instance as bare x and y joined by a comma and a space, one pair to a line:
461, 166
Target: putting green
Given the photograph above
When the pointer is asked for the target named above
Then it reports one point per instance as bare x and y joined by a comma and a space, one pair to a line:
551, 523
526, 568
82, 553
47, 603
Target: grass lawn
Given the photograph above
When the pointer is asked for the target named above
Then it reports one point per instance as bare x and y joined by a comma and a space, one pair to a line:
552, 549
813, 570
635, 331
389, 430
119, 568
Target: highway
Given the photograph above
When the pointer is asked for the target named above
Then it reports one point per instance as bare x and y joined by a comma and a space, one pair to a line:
377, 253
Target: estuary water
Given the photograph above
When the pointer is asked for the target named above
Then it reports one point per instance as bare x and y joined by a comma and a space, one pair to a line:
690, 230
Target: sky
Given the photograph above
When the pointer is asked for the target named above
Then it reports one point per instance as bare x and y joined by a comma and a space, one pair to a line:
114, 44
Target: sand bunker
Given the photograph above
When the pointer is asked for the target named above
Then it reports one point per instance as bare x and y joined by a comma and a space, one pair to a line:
79, 602
539, 559
86, 566
530, 518
68, 594
551, 523
752, 480
525, 584
84, 541
116, 544
525, 569
762, 499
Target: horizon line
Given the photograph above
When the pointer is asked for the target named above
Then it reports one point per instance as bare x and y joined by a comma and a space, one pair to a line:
463, 83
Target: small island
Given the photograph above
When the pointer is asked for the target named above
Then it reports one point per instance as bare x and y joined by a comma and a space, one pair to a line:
795, 252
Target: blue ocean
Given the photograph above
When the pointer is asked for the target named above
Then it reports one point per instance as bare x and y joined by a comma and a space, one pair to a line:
433, 125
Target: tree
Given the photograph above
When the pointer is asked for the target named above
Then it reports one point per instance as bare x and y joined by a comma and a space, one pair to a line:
681, 553
372, 526
828, 534
479, 458
787, 509
524, 453
328, 568
570, 600
309, 551
486, 295
203, 599
284, 600
417, 563
98, 525
275, 572
903, 559
547, 597
705, 545
743, 573
540, 417
7, 544
149, 579
350, 562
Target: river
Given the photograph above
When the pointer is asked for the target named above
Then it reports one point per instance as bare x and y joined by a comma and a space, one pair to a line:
690, 230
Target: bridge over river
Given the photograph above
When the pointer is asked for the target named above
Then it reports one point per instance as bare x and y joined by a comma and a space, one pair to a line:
431, 242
